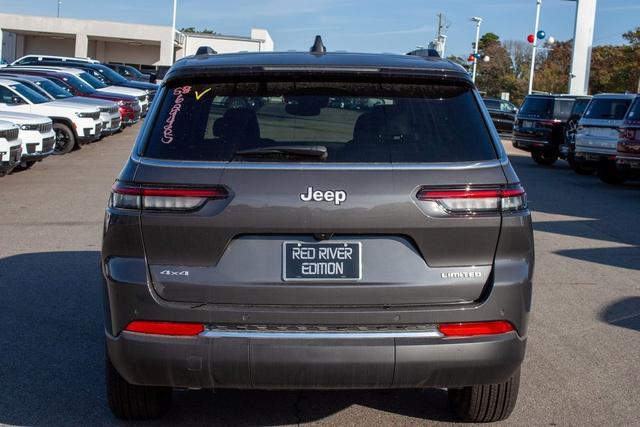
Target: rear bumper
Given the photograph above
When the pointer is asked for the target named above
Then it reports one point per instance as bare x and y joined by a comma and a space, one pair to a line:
290, 362
594, 156
532, 144
628, 161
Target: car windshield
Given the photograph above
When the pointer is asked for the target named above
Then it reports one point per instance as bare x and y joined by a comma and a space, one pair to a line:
607, 108
133, 71
579, 106
52, 89
79, 84
634, 112
491, 103
349, 122
537, 106
109, 74
30, 94
95, 83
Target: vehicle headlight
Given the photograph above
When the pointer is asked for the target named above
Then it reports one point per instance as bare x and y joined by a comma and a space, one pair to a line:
85, 115
29, 127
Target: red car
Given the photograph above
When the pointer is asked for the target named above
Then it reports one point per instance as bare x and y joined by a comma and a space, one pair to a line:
129, 106
628, 153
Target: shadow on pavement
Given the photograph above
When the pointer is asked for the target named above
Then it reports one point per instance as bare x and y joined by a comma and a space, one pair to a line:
624, 313
602, 212
51, 369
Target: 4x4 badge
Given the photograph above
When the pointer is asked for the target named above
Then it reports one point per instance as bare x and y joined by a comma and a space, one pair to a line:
334, 196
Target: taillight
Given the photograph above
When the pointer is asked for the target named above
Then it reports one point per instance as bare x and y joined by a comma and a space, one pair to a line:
476, 200
475, 328
165, 328
629, 134
549, 123
162, 198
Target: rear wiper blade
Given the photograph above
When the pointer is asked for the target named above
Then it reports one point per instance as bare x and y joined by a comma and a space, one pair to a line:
317, 151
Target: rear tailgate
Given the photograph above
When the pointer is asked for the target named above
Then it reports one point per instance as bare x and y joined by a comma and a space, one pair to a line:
231, 251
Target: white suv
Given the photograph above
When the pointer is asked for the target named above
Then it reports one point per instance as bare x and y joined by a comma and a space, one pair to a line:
36, 134
109, 111
10, 147
72, 124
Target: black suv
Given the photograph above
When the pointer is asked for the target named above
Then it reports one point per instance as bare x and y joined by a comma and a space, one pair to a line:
310, 245
540, 126
503, 114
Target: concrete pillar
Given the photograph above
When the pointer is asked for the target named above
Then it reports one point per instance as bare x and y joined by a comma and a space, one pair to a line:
82, 45
167, 50
582, 44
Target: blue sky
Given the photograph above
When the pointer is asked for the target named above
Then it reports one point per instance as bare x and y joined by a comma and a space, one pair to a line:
355, 25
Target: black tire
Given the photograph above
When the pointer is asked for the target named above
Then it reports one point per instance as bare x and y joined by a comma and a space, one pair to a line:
610, 175
135, 402
579, 168
545, 158
485, 403
65, 139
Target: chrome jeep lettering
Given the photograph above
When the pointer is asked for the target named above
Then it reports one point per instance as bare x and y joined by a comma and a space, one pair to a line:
334, 196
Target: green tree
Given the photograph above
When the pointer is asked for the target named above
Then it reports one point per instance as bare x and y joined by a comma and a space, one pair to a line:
633, 37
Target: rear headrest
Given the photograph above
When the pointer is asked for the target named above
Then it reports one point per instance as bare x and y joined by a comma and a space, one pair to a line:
237, 123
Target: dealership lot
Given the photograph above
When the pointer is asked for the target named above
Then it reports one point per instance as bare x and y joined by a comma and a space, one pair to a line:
583, 352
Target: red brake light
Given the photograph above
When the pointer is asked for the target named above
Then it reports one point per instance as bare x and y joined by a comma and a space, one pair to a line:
472, 200
165, 328
163, 198
475, 328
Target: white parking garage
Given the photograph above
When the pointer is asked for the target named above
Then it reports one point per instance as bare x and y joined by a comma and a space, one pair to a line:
150, 45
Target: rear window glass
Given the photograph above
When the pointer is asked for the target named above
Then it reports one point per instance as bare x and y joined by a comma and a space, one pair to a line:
607, 108
353, 122
562, 108
538, 107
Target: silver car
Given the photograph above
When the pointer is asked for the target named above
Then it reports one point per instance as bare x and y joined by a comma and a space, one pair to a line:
597, 135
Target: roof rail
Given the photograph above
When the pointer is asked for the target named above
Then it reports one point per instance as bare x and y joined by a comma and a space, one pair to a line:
205, 50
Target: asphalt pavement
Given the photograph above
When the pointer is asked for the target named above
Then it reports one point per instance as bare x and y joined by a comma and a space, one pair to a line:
583, 358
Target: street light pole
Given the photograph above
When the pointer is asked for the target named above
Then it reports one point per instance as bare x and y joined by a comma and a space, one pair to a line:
535, 45
478, 21
173, 31
59, 4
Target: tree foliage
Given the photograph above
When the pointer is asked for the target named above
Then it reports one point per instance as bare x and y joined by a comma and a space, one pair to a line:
193, 30
613, 68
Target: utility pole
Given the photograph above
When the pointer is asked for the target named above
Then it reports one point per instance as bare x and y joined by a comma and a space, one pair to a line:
441, 38
59, 4
478, 21
535, 45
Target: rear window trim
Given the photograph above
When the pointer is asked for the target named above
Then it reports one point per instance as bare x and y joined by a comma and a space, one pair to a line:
199, 164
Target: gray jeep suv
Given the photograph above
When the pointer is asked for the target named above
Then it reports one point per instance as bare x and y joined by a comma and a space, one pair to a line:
360, 227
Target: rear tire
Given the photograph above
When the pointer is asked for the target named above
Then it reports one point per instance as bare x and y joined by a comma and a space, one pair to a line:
544, 157
135, 402
65, 139
579, 168
610, 175
485, 403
